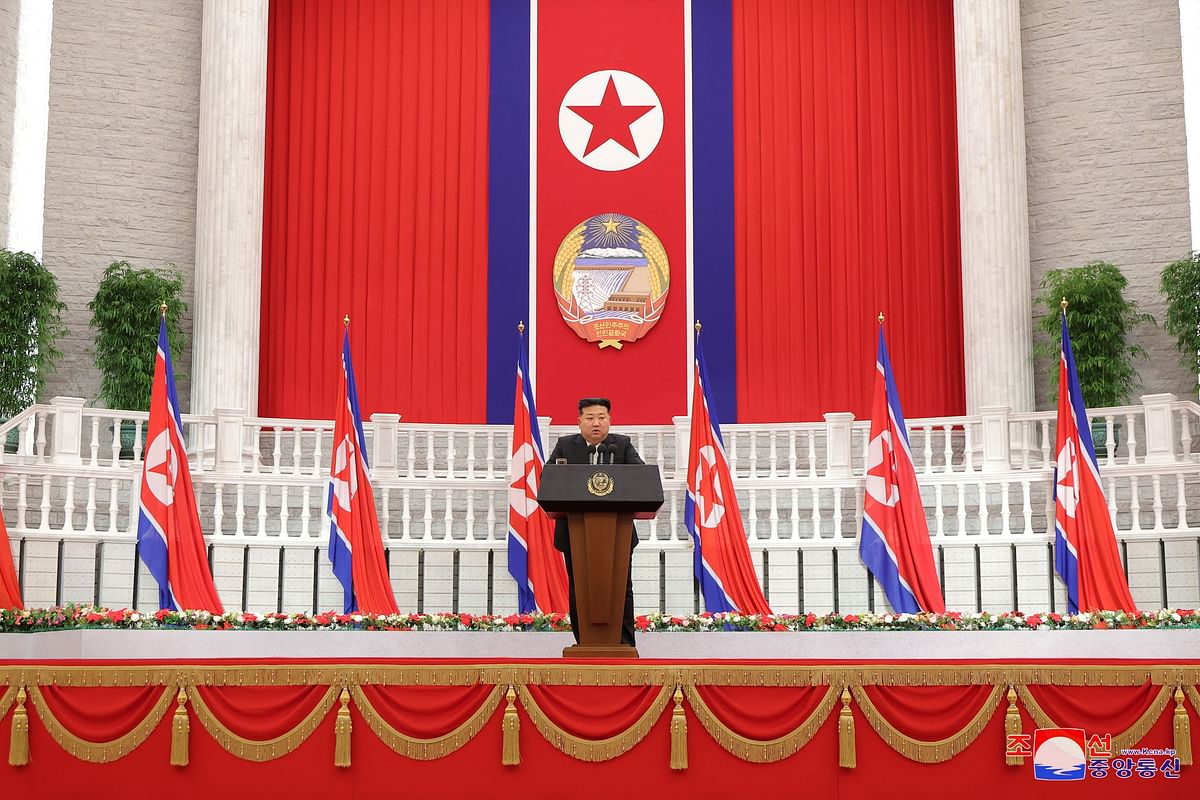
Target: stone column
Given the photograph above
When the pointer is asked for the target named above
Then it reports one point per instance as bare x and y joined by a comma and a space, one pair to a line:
229, 205
997, 304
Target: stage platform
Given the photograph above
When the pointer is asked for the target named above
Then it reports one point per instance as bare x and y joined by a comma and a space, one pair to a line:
200, 645
190, 713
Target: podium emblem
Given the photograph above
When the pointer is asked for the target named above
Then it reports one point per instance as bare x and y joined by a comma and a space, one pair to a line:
611, 279
600, 484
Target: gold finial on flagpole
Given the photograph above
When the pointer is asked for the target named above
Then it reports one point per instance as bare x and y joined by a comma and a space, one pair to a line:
521, 327
880, 318
162, 309
346, 321
698, 326
1064, 305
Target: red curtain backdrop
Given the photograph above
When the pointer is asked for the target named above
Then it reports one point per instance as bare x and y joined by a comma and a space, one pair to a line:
846, 204
376, 205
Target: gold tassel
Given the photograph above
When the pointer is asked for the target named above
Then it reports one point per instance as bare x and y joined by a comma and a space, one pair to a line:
846, 756
179, 731
511, 756
1183, 731
18, 745
1012, 725
679, 758
341, 747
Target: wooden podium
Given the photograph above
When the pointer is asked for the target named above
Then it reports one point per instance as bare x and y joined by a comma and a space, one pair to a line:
600, 503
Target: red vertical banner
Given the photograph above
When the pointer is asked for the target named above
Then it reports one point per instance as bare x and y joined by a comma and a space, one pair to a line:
610, 265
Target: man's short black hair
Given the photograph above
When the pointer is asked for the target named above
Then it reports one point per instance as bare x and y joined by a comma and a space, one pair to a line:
585, 402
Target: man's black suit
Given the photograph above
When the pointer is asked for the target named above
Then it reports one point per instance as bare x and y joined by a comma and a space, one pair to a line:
574, 449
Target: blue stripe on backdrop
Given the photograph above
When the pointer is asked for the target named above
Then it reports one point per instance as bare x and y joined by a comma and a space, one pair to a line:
508, 199
712, 187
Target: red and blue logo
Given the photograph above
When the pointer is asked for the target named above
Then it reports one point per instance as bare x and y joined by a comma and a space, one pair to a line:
1058, 754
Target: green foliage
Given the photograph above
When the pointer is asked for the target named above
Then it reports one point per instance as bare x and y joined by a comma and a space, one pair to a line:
1100, 321
1181, 284
30, 323
125, 314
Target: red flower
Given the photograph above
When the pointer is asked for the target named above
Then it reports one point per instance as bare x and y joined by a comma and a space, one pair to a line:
810, 619
465, 619
1100, 625
851, 618
1055, 617
779, 627
642, 624
92, 616
117, 616
1033, 620
248, 617
161, 614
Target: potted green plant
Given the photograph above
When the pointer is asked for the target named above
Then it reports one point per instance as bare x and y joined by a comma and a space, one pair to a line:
1101, 320
125, 314
30, 324
1180, 282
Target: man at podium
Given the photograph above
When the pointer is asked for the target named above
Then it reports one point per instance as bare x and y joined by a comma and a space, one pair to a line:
595, 445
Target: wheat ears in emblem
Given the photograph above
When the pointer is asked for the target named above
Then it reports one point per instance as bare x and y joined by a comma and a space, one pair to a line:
611, 279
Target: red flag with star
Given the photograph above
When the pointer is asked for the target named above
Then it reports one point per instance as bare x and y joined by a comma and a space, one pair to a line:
10, 588
611, 114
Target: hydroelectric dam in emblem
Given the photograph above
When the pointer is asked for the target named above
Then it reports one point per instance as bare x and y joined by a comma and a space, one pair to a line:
611, 279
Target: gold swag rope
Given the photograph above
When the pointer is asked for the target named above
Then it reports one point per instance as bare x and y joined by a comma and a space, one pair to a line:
181, 683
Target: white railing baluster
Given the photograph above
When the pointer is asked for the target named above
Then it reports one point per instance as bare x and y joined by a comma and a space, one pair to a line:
1185, 433
240, 510
1181, 502
1158, 503
218, 514
1027, 507
44, 525
69, 506
427, 517
95, 444
1131, 439
262, 510
23, 501
939, 512
283, 511
91, 506
306, 512
297, 451
948, 447
816, 512
1005, 509
837, 513
113, 507
774, 514
276, 449
1135, 505
406, 515
493, 533
961, 490
752, 533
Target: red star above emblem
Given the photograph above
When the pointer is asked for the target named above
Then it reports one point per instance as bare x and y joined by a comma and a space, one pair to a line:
610, 120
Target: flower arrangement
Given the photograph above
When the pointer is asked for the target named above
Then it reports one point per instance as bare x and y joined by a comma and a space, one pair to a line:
74, 617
